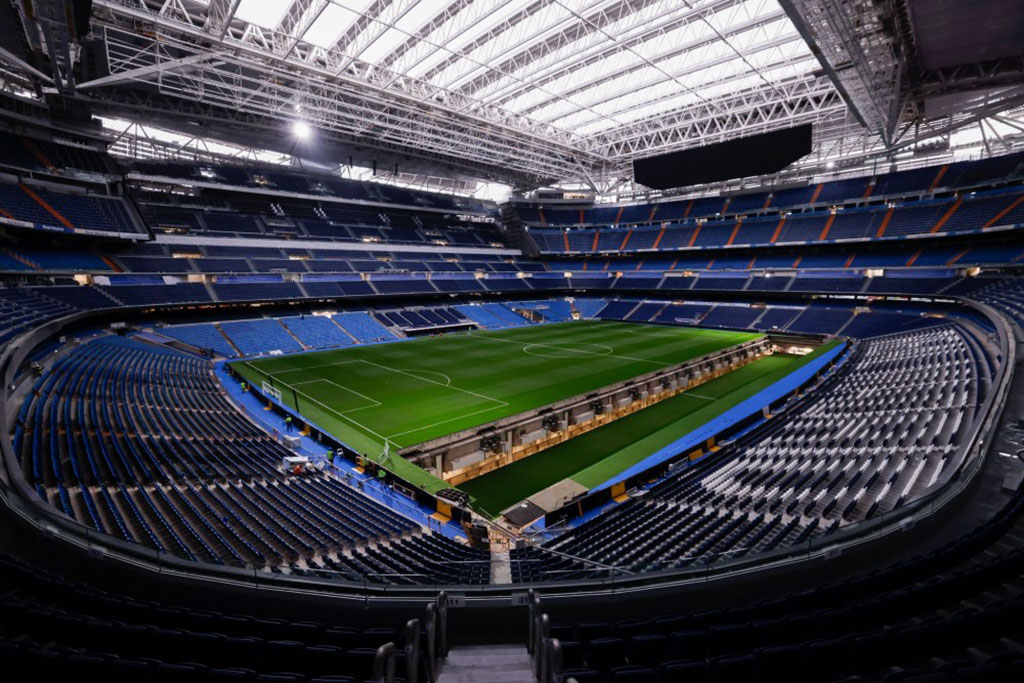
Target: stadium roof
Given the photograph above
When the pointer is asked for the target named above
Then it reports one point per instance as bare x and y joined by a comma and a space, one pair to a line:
523, 91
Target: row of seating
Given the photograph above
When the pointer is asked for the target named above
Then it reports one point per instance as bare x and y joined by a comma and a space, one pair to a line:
942, 616
553, 311
814, 318
65, 209
156, 258
924, 281
1004, 294
491, 316
305, 332
257, 214
805, 257
886, 433
944, 216
56, 629
422, 318
22, 309
138, 441
911, 183
255, 176
54, 156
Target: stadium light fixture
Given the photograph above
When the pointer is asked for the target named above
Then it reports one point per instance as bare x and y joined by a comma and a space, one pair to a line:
302, 130
830, 164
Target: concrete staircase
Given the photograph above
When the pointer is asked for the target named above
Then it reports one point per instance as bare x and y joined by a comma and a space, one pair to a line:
501, 568
487, 664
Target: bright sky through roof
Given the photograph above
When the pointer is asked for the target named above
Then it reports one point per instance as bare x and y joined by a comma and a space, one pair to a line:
336, 19
265, 13
412, 18
662, 56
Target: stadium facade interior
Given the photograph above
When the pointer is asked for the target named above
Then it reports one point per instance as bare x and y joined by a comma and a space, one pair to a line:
505, 340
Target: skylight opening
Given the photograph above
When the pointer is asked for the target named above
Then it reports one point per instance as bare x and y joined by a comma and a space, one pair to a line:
480, 18
552, 66
407, 25
617, 73
336, 19
503, 45
265, 13
591, 74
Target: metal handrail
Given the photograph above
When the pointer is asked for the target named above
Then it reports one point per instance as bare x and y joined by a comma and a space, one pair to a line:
411, 649
542, 633
430, 620
553, 662
384, 664
532, 609
442, 625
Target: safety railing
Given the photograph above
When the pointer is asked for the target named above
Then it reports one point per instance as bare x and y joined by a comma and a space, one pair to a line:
545, 650
384, 664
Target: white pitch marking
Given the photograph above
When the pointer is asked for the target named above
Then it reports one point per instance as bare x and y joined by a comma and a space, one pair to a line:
589, 353
311, 367
706, 398
499, 403
423, 379
340, 386
661, 332
345, 417
564, 346
448, 380
459, 417
402, 372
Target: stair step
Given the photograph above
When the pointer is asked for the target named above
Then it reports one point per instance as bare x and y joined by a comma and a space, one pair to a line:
488, 664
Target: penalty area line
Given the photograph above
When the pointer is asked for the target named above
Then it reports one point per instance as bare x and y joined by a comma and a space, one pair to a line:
431, 381
374, 401
358, 425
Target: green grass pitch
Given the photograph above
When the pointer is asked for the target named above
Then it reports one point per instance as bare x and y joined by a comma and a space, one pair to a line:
596, 456
409, 392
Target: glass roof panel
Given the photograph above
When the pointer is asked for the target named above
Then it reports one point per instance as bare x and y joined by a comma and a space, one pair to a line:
687, 55
527, 32
334, 21
643, 78
482, 17
406, 25
265, 13
586, 48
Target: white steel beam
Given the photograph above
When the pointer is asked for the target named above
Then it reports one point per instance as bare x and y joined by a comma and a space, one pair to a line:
860, 59
150, 71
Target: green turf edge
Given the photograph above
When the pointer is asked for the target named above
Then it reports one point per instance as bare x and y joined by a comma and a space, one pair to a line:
410, 472
594, 457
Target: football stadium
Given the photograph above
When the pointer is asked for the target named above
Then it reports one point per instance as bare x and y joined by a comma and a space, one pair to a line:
497, 341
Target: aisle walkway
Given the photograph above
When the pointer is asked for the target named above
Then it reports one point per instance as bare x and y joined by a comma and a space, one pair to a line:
487, 664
